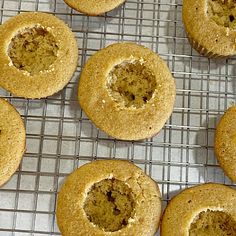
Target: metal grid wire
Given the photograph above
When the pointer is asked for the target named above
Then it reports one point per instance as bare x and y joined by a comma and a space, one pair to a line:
60, 137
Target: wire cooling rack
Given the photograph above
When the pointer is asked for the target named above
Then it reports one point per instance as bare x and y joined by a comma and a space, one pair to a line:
60, 137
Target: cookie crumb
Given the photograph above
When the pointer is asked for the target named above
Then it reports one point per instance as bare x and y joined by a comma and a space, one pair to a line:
227, 31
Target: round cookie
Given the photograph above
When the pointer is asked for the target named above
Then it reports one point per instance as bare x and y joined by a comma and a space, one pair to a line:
127, 91
225, 143
38, 55
12, 140
94, 7
109, 197
211, 26
203, 210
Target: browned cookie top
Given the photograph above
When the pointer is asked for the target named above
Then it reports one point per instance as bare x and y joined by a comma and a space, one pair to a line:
225, 143
203, 210
127, 91
108, 197
38, 55
211, 24
12, 140
94, 7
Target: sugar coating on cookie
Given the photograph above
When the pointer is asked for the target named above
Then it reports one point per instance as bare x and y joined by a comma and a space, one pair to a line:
127, 90
108, 197
110, 204
12, 140
210, 26
94, 7
131, 84
33, 50
38, 55
202, 210
225, 142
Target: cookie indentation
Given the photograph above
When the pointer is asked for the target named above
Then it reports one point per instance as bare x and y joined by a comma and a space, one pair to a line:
215, 223
223, 12
131, 84
33, 50
110, 204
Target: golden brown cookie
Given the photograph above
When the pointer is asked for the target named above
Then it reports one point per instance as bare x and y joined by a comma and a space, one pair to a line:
38, 55
211, 26
127, 91
203, 210
12, 140
94, 7
108, 197
225, 143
